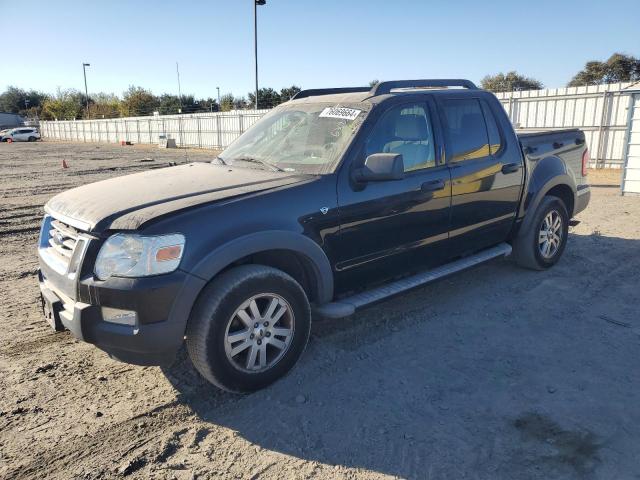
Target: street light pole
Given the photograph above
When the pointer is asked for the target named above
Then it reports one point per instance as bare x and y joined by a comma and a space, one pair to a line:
218, 89
255, 40
86, 91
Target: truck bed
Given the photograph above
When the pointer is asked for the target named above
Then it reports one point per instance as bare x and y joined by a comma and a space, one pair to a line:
567, 144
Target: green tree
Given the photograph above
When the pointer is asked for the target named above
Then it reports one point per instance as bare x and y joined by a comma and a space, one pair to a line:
168, 104
240, 103
373, 83
27, 103
288, 93
104, 105
209, 105
226, 102
267, 98
618, 68
65, 105
137, 101
510, 82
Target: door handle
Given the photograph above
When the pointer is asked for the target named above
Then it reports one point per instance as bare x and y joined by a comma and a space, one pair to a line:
510, 168
432, 186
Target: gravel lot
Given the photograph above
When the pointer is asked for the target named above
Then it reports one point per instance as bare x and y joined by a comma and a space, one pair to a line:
496, 373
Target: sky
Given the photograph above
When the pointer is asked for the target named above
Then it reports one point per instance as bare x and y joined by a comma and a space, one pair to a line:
309, 43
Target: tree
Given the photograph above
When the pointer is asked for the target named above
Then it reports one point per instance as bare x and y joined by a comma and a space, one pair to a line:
209, 105
267, 98
510, 82
168, 104
240, 103
66, 105
104, 105
16, 100
288, 93
137, 101
226, 102
618, 68
373, 83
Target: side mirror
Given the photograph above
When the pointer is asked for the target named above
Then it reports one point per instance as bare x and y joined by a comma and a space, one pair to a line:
380, 167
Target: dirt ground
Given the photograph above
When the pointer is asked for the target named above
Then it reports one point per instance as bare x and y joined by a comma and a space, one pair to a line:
496, 373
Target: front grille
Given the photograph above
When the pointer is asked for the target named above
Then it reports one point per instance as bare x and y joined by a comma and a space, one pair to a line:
63, 239
60, 245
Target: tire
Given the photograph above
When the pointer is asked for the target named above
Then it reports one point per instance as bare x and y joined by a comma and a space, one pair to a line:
32, 139
530, 249
9, 140
219, 314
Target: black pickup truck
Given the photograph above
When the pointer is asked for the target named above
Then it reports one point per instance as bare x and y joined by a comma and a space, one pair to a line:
332, 201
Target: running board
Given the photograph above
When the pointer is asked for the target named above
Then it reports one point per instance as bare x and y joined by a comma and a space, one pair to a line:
347, 306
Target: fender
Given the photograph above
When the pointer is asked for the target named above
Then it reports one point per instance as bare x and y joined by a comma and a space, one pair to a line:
234, 250
547, 173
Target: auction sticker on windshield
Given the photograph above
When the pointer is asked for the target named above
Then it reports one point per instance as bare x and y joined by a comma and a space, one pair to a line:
340, 112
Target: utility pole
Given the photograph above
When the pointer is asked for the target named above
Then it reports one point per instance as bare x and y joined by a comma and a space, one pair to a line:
86, 90
218, 89
179, 91
255, 40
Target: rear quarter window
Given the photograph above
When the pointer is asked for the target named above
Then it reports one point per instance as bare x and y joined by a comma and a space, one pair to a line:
495, 138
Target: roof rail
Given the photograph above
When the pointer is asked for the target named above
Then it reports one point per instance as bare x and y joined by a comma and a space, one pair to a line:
386, 87
328, 91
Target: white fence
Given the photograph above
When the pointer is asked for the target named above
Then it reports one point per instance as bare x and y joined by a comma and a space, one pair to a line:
198, 130
601, 111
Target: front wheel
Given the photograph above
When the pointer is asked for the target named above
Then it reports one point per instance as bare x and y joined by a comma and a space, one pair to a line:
541, 245
248, 328
32, 139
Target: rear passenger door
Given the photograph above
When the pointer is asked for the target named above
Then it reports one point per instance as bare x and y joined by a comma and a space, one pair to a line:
486, 179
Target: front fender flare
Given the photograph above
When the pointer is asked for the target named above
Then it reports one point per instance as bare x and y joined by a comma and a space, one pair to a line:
224, 255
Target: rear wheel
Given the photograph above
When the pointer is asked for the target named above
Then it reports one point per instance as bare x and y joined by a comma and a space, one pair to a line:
9, 140
248, 328
541, 245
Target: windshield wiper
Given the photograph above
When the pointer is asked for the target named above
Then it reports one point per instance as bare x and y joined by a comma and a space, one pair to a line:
221, 160
273, 167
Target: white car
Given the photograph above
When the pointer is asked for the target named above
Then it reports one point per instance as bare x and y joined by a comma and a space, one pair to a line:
20, 134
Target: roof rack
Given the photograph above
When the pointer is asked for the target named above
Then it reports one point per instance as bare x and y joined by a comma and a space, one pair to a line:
328, 91
386, 87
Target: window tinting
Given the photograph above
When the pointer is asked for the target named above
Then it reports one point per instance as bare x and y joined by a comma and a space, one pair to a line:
495, 142
405, 129
466, 129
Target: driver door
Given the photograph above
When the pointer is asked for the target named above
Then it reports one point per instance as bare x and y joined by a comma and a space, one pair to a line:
394, 227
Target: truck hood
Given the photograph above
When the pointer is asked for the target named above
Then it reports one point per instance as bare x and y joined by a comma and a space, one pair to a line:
128, 202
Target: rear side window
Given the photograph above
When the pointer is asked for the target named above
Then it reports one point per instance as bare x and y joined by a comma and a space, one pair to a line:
466, 129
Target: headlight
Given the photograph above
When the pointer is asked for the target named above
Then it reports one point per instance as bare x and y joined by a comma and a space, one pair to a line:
130, 255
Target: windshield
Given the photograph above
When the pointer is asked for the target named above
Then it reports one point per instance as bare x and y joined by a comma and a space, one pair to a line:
306, 138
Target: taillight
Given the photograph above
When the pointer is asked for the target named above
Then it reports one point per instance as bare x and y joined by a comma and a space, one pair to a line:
585, 161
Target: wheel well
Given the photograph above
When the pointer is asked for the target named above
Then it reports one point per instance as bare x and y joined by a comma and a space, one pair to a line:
564, 193
290, 262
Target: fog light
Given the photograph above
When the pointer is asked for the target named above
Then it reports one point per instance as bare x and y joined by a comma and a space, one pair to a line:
121, 317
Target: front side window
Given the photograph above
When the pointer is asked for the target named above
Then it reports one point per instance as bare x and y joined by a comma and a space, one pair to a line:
306, 137
405, 129
466, 129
